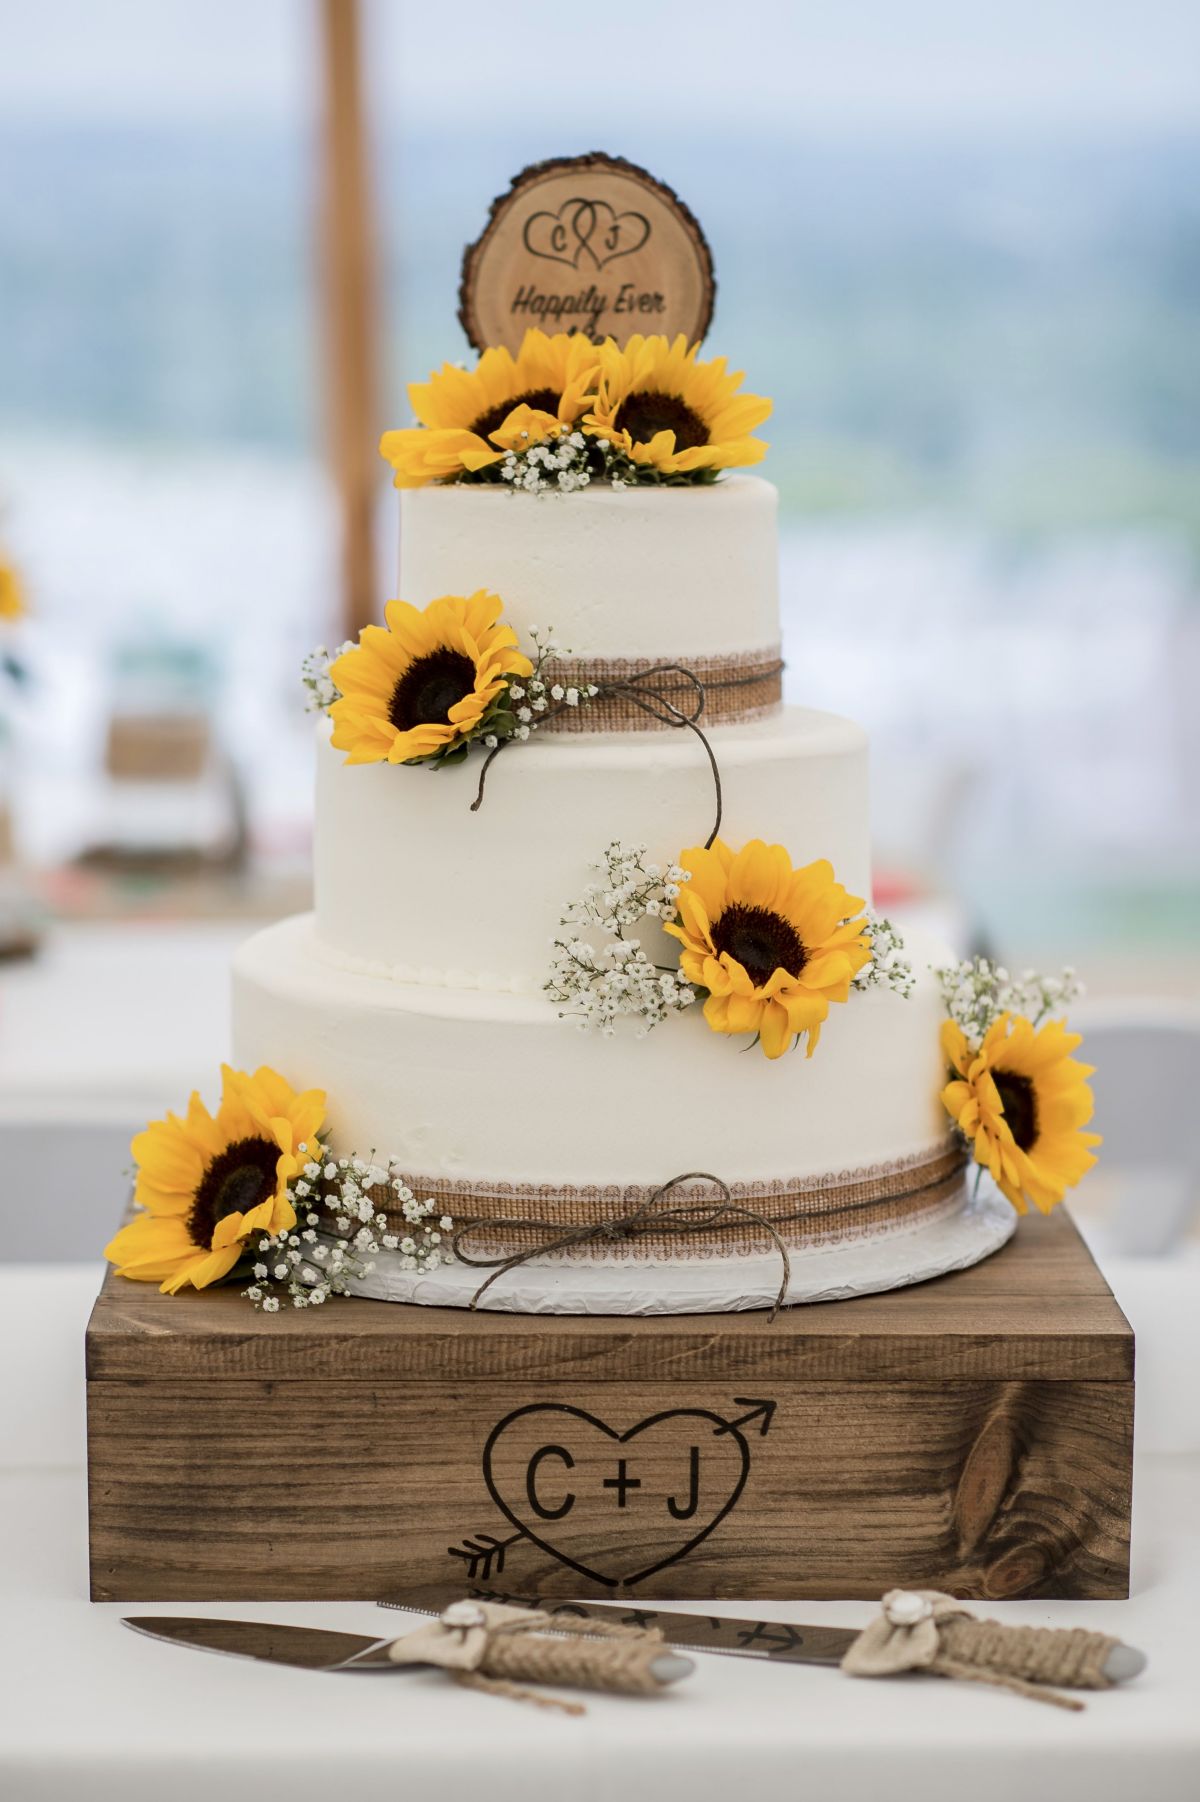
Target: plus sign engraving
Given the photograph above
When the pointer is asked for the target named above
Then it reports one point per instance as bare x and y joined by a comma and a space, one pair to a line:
563, 1479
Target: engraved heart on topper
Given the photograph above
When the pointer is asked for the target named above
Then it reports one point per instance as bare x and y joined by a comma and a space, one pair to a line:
618, 1505
587, 231
590, 244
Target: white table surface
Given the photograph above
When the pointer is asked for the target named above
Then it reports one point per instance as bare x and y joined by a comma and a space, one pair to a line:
89, 1709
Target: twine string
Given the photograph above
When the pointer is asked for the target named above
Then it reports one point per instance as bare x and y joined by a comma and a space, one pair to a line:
649, 1216
457, 1199
648, 692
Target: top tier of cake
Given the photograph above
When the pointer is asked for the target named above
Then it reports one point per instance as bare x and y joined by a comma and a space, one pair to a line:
662, 574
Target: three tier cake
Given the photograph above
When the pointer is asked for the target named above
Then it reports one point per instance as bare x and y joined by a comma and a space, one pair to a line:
605, 1023
415, 993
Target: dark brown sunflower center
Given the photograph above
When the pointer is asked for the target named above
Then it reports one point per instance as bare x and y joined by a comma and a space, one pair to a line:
1020, 1106
762, 942
543, 400
237, 1179
648, 411
429, 688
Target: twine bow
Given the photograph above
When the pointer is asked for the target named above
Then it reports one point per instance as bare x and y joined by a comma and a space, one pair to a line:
648, 691
649, 1216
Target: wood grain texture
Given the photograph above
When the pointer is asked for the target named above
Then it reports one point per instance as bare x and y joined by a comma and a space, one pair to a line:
350, 310
238, 1491
973, 1434
1038, 1308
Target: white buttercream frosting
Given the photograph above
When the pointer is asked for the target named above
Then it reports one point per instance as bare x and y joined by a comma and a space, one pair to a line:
413, 996
645, 572
455, 1081
412, 884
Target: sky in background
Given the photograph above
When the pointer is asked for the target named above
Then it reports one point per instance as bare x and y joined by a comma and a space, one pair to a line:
937, 65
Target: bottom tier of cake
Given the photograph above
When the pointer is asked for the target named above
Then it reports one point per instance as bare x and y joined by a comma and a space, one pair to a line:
540, 1133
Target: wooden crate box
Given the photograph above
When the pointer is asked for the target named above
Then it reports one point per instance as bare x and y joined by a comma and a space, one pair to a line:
972, 1434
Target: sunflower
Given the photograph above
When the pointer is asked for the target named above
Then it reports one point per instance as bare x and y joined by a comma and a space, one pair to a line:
1023, 1101
772, 945
424, 685
207, 1183
12, 601
471, 417
664, 409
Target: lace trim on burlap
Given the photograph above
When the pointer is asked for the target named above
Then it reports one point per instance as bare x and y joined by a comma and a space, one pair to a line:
804, 1212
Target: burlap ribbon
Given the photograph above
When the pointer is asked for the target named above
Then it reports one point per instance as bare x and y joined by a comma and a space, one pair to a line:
501, 1219
651, 1215
731, 690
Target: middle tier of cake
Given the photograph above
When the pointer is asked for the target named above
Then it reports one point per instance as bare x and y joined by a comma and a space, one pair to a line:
414, 886
479, 1088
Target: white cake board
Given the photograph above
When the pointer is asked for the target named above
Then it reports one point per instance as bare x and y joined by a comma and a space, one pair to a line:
945, 1242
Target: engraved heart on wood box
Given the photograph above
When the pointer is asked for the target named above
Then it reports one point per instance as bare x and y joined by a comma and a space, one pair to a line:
674, 1476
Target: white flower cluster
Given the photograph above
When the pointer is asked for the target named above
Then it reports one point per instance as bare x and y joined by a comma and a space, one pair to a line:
889, 968
322, 689
559, 464
340, 1227
977, 991
596, 983
566, 463
530, 701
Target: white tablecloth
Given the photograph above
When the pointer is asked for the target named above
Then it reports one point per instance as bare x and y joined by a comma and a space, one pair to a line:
91, 1710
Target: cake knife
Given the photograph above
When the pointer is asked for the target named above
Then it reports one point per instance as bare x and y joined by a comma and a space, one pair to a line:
777, 1642
325, 1649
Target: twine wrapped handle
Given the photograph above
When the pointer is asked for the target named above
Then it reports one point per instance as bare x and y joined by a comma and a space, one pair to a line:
650, 1216
493, 1647
924, 1630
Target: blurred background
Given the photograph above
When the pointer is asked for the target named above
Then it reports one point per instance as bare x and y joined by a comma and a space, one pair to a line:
960, 247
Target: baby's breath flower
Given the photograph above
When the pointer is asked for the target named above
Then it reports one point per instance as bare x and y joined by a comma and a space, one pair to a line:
322, 690
888, 968
598, 984
977, 991
344, 1202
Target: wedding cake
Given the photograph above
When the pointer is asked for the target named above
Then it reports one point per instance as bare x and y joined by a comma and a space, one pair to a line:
592, 1012
415, 993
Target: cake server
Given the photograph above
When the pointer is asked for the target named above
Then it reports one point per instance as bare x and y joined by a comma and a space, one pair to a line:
778, 1642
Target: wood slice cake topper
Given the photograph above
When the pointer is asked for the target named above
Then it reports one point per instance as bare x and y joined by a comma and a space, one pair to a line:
591, 244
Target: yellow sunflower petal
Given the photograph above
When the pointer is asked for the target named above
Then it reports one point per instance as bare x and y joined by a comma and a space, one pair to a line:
775, 1034
954, 1046
148, 1249
708, 877
202, 1271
